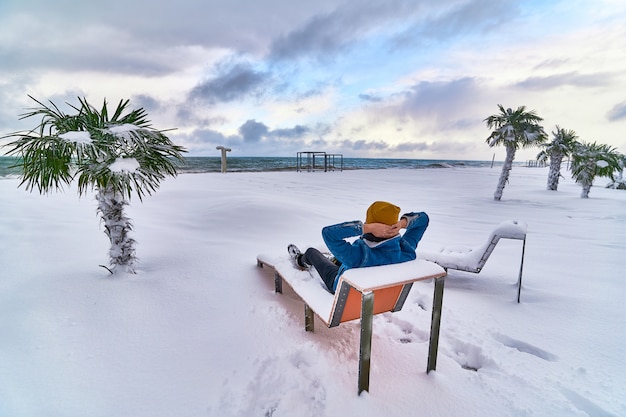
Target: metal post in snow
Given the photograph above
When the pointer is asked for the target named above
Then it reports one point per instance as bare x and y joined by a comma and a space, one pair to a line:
365, 351
224, 150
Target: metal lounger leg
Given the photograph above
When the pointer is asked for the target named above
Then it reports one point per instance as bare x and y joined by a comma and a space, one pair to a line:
309, 323
521, 269
367, 309
278, 283
435, 323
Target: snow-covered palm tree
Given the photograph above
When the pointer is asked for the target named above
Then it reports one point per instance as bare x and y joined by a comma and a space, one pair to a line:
562, 144
114, 153
513, 129
591, 160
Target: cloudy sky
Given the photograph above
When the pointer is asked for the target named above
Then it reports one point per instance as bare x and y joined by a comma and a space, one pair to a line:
372, 78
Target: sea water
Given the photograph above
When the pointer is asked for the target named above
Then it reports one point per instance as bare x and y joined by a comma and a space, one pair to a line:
197, 164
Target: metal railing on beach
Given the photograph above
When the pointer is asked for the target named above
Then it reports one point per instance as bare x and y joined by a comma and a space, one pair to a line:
312, 160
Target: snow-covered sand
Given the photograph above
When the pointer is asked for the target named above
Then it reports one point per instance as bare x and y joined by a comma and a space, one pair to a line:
199, 330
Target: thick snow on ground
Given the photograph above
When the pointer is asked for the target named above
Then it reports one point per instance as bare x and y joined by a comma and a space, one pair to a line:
199, 331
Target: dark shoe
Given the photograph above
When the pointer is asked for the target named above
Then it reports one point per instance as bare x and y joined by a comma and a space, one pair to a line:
296, 256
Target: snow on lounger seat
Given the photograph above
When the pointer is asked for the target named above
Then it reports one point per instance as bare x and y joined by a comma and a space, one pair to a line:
361, 293
474, 259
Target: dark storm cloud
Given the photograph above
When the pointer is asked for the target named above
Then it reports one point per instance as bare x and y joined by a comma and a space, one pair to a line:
326, 34
618, 112
461, 19
323, 35
570, 78
253, 131
233, 82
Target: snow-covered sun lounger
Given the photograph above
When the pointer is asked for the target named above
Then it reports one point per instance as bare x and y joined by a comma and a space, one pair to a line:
361, 293
474, 259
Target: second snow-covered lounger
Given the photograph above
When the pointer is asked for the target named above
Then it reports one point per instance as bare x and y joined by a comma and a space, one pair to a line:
474, 259
361, 293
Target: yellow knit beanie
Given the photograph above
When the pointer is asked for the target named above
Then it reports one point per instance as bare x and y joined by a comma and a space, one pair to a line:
382, 212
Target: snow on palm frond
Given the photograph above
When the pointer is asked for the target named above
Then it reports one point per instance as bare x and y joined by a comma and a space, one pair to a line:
121, 165
77, 137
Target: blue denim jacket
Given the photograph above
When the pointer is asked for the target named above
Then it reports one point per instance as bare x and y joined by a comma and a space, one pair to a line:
363, 252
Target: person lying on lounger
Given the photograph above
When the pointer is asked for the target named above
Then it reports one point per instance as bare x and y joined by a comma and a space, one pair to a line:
380, 243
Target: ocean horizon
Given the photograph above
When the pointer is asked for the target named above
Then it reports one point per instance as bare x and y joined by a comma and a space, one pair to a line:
207, 164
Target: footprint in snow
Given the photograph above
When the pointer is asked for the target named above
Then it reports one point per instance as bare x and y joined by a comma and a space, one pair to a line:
404, 331
470, 356
585, 405
525, 347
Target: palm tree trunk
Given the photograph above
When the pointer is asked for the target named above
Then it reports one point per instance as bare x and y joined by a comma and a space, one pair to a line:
117, 227
586, 189
555, 171
506, 169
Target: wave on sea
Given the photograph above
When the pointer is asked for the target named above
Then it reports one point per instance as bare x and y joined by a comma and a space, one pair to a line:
8, 168
256, 164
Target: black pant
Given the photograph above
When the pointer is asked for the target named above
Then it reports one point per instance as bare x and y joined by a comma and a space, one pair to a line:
327, 269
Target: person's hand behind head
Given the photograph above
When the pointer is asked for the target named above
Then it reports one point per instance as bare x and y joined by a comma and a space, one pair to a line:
382, 230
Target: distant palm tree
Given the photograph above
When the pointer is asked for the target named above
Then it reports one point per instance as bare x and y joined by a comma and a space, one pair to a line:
563, 142
114, 153
591, 160
513, 129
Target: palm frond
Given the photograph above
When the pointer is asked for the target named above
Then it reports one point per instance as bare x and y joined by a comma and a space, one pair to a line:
590, 160
515, 128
